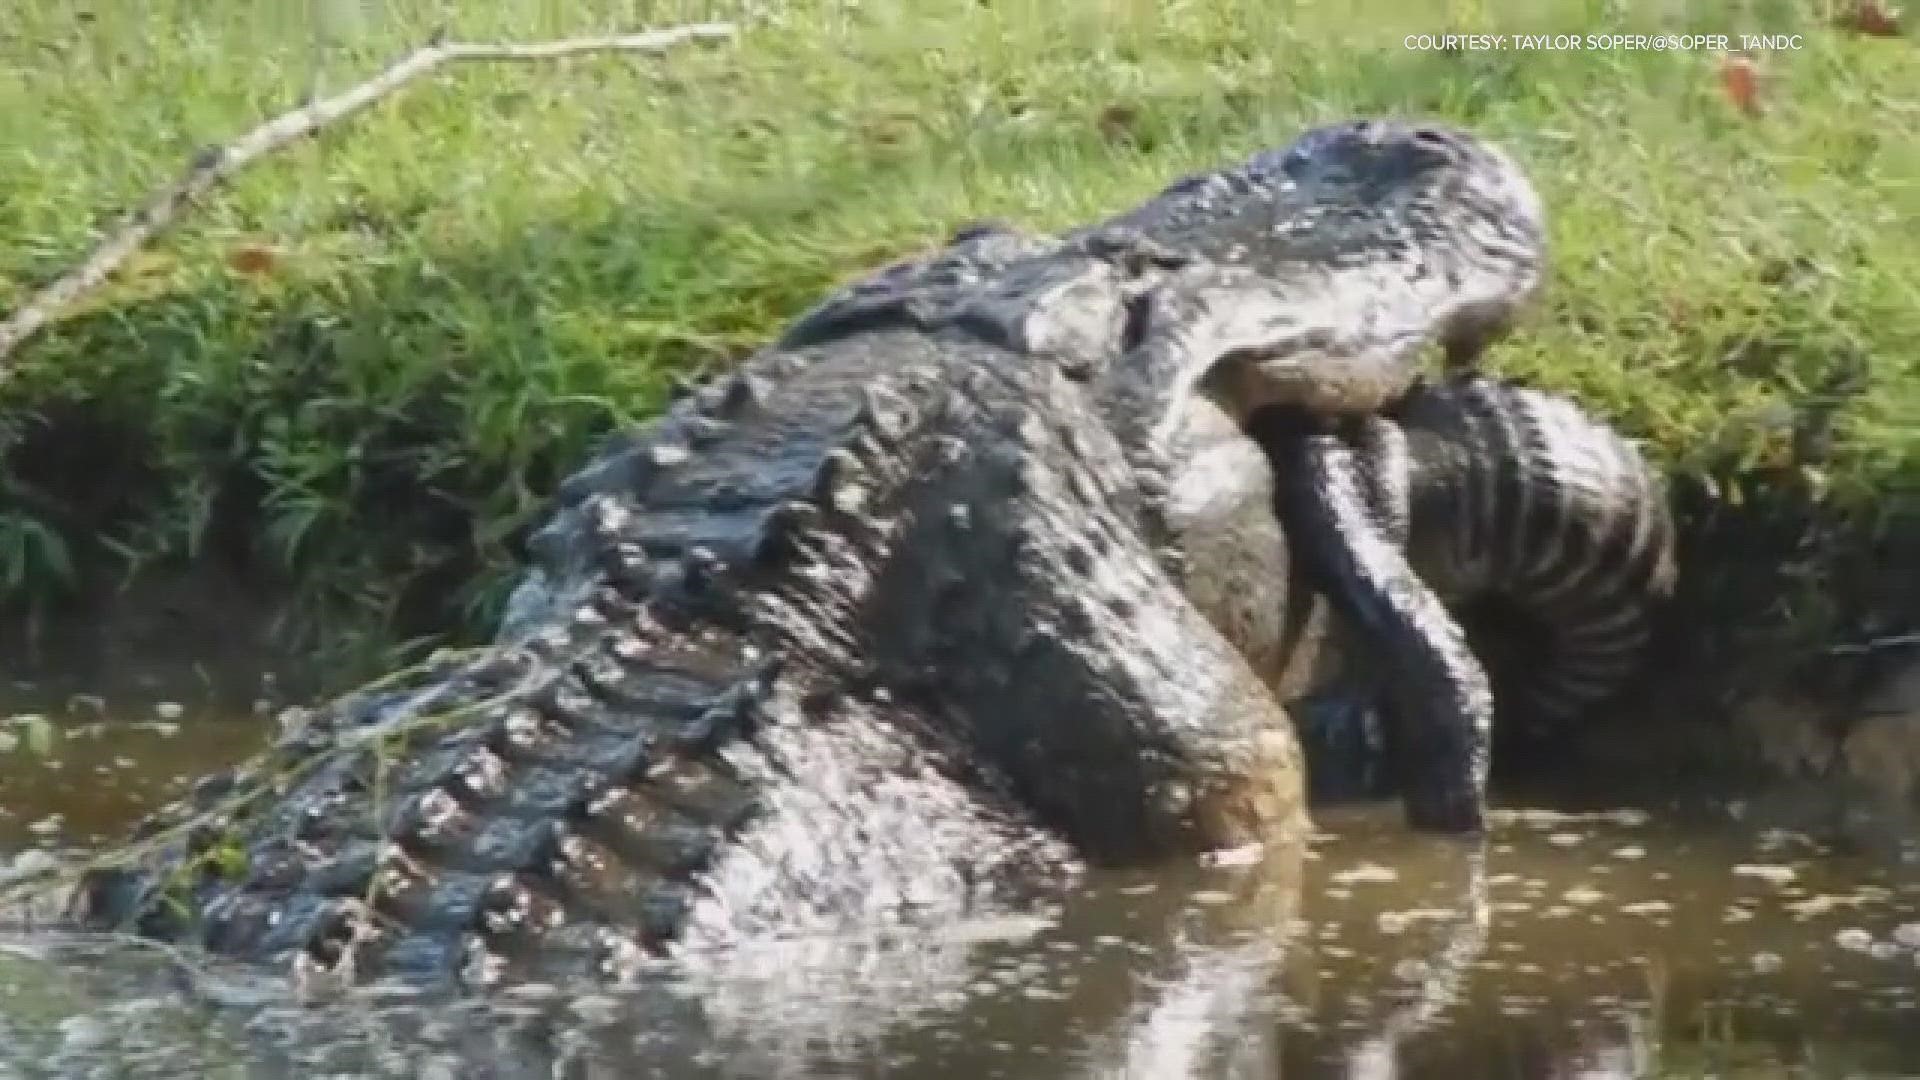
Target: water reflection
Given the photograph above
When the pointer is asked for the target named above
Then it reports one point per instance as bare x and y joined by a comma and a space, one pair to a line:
81, 759
1617, 944
1165, 974
1660, 941
1431, 985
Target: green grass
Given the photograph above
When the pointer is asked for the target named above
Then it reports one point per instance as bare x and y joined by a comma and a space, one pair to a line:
477, 279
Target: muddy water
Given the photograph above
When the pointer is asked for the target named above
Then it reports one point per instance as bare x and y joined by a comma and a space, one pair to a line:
1647, 940
79, 760
1636, 938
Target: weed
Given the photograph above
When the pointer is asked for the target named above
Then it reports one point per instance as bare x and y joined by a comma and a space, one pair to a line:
360, 369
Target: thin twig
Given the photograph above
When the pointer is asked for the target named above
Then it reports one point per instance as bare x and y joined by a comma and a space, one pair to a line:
216, 164
1872, 645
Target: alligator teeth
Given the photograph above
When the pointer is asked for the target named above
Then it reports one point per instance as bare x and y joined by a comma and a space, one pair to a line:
523, 727
331, 955
566, 697
506, 906
396, 877
510, 908
555, 639
573, 857
950, 451
917, 381
613, 604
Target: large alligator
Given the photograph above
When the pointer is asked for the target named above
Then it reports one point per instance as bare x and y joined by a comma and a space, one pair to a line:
972, 575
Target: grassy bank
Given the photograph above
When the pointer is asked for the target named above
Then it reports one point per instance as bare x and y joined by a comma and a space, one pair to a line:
356, 372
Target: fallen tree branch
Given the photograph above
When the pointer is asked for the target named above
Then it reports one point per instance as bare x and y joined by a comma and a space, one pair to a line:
216, 164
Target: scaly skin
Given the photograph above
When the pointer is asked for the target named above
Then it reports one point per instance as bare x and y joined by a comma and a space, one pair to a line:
1523, 499
1445, 702
1420, 234
1320, 332
903, 617
1546, 529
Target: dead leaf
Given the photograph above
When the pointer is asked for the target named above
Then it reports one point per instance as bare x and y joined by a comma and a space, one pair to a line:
890, 128
254, 259
1740, 81
1872, 18
1679, 312
1118, 121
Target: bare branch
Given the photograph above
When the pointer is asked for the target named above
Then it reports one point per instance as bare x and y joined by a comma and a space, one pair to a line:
1873, 645
214, 165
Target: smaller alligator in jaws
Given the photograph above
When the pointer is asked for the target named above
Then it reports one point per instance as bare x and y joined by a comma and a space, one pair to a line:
919, 607
1543, 527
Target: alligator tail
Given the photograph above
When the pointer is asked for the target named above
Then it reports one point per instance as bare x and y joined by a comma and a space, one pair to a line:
1547, 530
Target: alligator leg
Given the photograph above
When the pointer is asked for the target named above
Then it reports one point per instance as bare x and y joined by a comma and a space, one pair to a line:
1343, 732
1438, 689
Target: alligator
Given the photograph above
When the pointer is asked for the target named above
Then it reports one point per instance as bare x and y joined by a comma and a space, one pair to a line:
1546, 535
974, 576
